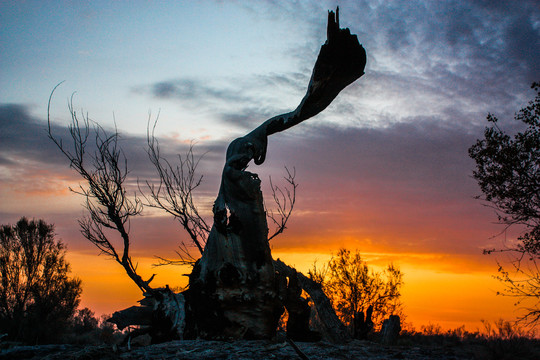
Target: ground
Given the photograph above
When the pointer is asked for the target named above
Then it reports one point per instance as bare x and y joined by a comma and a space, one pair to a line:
198, 349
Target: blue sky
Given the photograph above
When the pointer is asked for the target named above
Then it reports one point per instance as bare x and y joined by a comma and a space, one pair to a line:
214, 70
385, 166
224, 61
110, 51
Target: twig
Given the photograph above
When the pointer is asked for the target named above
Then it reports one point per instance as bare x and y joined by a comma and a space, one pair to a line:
299, 352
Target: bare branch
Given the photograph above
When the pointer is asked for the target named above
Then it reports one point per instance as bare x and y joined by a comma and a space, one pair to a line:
285, 200
105, 172
184, 257
174, 193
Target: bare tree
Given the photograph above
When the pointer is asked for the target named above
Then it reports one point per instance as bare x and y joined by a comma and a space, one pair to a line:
284, 199
232, 289
174, 192
106, 199
105, 171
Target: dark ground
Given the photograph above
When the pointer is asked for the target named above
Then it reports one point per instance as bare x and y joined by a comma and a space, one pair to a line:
199, 349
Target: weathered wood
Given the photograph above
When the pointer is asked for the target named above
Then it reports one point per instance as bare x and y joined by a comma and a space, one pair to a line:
232, 287
362, 325
161, 311
233, 290
333, 327
340, 62
134, 315
297, 307
390, 330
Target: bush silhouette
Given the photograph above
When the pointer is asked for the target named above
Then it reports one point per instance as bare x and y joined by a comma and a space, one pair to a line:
37, 298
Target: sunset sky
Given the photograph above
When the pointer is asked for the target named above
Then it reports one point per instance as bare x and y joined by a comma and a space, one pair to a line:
384, 169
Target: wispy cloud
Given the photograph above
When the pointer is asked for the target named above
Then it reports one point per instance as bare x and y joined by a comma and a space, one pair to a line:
449, 61
243, 102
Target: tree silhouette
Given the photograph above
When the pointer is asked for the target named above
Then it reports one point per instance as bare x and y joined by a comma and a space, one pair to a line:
105, 171
232, 288
37, 298
508, 173
354, 288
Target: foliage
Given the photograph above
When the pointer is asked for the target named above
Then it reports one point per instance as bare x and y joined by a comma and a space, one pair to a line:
352, 287
84, 321
37, 298
508, 173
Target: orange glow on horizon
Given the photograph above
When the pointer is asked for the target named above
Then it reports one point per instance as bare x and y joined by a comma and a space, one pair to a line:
430, 295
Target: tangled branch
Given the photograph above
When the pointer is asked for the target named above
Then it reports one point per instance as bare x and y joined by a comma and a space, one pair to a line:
285, 200
105, 171
174, 192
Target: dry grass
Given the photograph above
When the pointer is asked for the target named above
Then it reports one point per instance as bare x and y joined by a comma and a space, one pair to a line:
498, 340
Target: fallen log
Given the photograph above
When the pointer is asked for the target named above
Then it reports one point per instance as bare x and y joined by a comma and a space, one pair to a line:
161, 314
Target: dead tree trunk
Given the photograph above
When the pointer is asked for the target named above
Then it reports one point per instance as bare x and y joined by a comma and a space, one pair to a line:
236, 290
332, 326
162, 314
233, 290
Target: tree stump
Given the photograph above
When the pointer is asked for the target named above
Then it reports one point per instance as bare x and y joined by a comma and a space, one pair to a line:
390, 330
232, 288
362, 325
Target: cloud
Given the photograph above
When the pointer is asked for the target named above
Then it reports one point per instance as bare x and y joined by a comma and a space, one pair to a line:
23, 139
33, 170
189, 89
22, 135
406, 187
462, 47
242, 102
387, 163
448, 61
403, 187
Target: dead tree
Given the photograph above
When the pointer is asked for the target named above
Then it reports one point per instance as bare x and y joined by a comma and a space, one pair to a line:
232, 289
110, 211
106, 198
